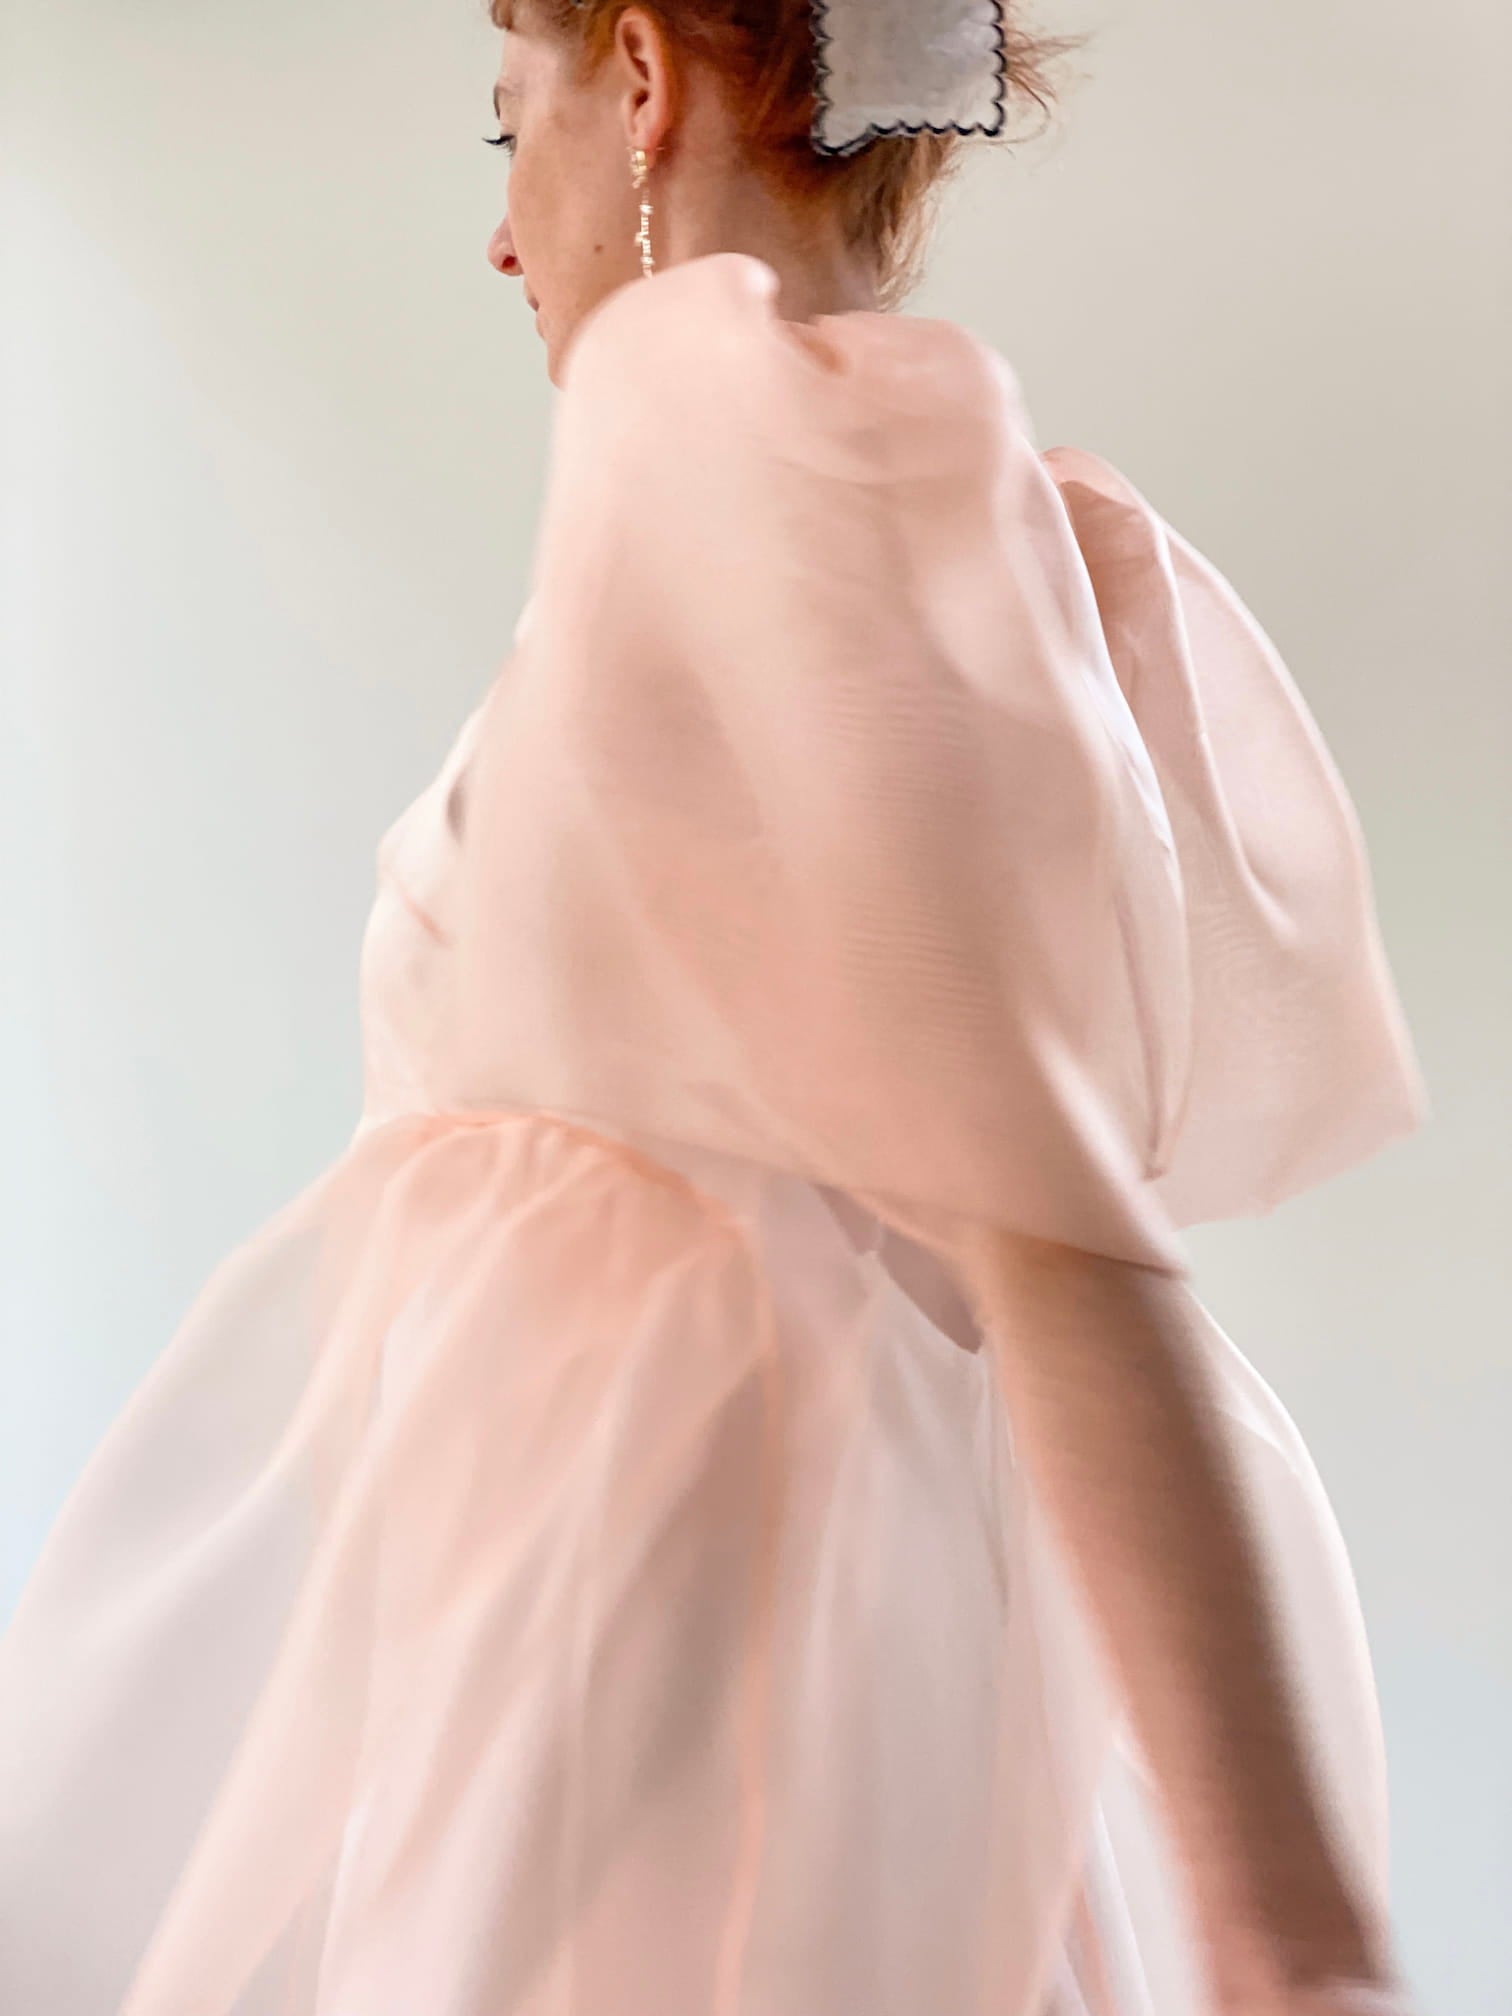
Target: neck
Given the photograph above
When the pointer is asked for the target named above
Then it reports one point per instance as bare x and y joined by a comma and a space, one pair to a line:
817, 272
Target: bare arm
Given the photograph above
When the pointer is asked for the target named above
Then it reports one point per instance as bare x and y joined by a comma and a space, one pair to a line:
1102, 1369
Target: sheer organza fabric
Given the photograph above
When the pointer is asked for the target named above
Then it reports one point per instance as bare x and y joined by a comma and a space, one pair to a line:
572, 1559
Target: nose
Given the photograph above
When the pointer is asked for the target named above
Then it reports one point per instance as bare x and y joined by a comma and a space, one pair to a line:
503, 258
501, 252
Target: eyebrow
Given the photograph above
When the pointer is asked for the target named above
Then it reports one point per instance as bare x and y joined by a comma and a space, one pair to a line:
501, 92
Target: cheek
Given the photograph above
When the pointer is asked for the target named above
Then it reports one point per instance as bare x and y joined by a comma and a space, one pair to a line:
540, 214
572, 213
522, 207
556, 222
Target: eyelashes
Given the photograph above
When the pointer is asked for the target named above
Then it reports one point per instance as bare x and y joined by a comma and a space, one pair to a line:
504, 140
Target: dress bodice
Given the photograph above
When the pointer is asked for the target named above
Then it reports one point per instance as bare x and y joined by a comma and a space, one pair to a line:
405, 943
405, 948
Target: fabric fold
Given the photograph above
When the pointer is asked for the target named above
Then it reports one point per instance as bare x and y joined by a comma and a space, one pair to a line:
885, 800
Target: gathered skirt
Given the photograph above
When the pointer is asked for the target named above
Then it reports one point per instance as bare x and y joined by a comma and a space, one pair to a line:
548, 1575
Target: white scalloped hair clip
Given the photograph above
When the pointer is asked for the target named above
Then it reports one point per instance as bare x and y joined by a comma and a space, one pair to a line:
885, 67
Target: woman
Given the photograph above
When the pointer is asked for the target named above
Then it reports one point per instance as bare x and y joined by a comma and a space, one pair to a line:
722, 1498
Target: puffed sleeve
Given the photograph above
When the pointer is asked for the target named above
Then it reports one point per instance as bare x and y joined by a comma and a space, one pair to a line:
808, 820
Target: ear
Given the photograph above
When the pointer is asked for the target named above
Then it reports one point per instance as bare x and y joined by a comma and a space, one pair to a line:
653, 80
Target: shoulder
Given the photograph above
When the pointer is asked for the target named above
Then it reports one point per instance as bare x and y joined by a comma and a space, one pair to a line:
704, 338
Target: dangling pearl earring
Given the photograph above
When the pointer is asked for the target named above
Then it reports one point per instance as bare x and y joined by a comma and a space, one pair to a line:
640, 170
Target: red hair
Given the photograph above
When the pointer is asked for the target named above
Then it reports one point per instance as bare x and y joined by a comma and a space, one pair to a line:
887, 192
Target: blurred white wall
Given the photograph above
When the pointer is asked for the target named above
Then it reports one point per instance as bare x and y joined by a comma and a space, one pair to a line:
273, 440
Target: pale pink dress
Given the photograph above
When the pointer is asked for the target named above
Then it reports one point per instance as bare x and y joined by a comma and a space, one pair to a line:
571, 1561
